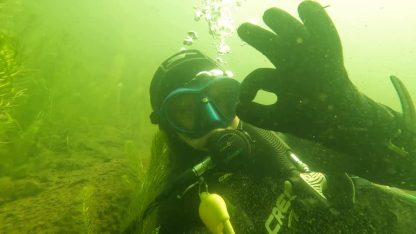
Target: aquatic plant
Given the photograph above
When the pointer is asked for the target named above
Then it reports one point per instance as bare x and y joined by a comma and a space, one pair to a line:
153, 181
11, 88
86, 198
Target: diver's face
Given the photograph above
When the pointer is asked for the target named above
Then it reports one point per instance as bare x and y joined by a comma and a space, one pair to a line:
203, 106
200, 143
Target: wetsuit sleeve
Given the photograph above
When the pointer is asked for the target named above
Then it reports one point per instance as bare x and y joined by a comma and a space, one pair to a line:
384, 151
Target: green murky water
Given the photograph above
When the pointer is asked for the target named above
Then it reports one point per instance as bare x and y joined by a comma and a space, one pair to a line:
74, 75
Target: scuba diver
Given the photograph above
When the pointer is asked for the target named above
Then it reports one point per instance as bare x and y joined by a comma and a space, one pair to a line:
319, 160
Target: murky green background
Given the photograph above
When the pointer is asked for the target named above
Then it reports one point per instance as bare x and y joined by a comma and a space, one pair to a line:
74, 147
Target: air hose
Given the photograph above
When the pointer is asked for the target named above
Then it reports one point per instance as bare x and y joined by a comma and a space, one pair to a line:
271, 145
224, 147
290, 166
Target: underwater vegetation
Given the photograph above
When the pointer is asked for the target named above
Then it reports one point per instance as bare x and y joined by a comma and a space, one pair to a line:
73, 139
16, 140
152, 184
88, 184
11, 88
60, 170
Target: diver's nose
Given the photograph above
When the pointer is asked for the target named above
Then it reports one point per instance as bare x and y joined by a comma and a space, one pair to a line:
212, 114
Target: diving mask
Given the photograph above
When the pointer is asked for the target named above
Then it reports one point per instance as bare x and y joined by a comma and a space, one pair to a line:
201, 105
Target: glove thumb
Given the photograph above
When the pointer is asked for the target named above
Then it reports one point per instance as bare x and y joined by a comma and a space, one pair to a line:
259, 115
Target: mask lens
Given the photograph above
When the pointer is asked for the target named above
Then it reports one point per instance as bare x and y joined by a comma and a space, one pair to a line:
181, 111
203, 105
224, 94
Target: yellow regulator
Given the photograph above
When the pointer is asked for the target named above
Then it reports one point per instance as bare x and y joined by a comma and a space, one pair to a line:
214, 214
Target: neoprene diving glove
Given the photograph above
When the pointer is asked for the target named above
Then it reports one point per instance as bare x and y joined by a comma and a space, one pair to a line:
316, 99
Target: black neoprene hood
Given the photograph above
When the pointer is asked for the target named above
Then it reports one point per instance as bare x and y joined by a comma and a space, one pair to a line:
175, 71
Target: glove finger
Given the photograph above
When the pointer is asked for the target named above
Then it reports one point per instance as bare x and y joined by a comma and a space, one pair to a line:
285, 26
263, 40
266, 79
320, 28
262, 116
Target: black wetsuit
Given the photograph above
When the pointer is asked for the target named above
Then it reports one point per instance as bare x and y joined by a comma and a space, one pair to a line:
257, 203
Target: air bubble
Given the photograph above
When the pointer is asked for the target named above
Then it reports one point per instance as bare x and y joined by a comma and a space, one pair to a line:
229, 73
193, 35
218, 15
198, 15
220, 60
188, 41
223, 49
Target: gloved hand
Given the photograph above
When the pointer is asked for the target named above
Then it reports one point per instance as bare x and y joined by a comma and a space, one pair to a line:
316, 99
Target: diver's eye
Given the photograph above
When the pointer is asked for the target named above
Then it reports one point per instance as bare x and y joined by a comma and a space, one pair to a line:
224, 95
182, 111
